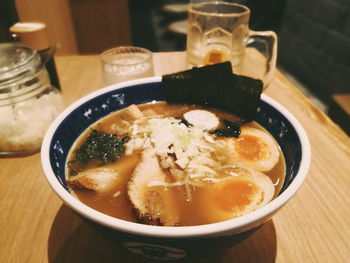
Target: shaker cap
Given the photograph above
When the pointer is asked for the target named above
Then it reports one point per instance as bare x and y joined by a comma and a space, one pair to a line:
32, 34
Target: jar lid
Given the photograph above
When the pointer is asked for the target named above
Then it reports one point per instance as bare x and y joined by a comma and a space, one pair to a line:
16, 59
32, 34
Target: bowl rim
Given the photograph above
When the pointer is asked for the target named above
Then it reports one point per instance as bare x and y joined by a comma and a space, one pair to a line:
235, 225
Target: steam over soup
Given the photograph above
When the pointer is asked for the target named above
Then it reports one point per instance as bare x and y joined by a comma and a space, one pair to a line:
175, 165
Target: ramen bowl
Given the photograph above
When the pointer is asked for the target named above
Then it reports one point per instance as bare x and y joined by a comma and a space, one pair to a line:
162, 242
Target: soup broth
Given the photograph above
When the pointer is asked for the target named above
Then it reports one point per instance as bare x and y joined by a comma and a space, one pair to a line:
230, 180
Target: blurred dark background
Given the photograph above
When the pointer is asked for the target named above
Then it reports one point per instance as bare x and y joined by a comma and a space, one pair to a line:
160, 24
314, 35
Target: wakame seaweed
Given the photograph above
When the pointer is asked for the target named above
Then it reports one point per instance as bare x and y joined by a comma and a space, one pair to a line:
215, 86
100, 146
231, 129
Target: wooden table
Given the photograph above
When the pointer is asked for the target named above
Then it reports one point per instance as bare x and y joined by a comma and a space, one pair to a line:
313, 227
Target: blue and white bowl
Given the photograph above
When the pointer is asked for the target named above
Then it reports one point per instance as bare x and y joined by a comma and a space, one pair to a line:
168, 243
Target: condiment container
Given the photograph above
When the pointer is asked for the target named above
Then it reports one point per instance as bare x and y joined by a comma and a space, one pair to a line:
28, 101
34, 34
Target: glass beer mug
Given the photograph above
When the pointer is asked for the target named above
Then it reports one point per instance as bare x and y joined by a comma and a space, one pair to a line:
219, 31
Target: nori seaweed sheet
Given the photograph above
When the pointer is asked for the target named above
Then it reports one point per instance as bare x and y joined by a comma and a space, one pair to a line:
177, 86
243, 97
215, 86
188, 86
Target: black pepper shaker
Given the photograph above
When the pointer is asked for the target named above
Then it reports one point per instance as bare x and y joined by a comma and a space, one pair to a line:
34, 34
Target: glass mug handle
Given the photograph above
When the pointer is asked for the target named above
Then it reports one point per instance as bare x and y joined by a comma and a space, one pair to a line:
269, 39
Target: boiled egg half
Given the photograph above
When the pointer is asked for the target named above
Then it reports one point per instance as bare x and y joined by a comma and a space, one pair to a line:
240, 192
256, 149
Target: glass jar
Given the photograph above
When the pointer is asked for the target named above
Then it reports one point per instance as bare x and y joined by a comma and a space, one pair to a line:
28, 102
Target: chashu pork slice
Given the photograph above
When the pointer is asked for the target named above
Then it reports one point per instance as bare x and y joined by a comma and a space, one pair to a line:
131, 112
154, 204
98, 179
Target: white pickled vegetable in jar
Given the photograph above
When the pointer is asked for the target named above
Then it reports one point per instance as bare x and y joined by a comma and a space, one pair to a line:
28, 102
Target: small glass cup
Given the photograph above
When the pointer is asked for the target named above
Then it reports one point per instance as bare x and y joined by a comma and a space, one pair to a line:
125, 63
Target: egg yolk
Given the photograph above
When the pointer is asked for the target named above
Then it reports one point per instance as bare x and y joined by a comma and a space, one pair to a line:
234, 195
214, 56
251, 147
